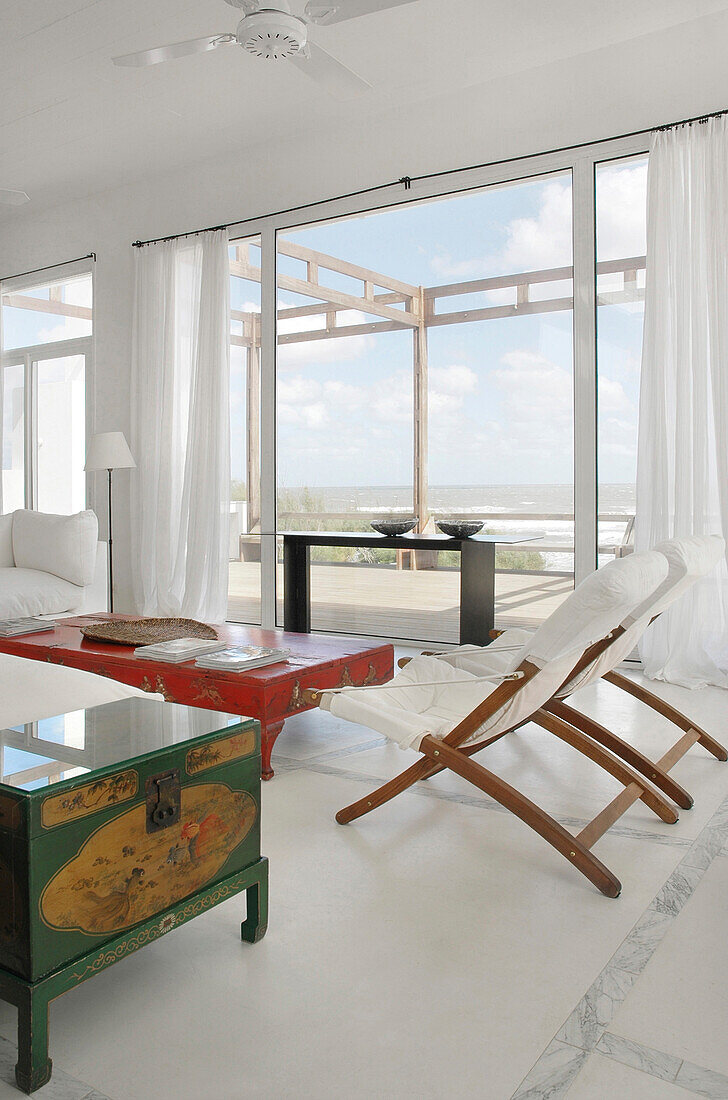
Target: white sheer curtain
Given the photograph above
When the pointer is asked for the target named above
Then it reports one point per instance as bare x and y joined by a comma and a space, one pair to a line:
682, 465
181, 427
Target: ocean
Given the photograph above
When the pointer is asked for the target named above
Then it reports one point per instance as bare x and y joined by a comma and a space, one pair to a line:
540, 501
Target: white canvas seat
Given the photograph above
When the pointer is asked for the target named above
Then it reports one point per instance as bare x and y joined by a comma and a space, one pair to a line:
450, 712
689, 558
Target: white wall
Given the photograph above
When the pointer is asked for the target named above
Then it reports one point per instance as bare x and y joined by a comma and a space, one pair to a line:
672, 75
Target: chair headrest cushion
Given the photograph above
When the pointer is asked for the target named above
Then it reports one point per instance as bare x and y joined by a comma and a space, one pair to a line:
689, 558
597, 605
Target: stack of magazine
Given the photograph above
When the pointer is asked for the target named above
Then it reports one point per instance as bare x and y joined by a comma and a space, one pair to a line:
181, 649
241, 658
10, 627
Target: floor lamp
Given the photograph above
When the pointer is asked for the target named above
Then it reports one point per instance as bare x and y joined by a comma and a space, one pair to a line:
109, 451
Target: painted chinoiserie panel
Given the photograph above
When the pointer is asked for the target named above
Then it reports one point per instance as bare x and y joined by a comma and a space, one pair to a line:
220, 752
122, 875
87, 799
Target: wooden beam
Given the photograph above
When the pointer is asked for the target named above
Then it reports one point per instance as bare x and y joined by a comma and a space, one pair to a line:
326, 294
551, 305
340, 331
501, 282
240, 341
44, 305
343, 267
629, 263
320, 308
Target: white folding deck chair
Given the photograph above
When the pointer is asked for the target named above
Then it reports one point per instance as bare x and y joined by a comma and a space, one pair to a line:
449, 713
689, 559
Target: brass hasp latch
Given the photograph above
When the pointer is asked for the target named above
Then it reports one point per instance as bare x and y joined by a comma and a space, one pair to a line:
163, 800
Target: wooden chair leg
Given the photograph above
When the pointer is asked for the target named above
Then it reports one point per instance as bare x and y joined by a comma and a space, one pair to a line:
528, 811
422, 769
663, 708
611, 764
624, 750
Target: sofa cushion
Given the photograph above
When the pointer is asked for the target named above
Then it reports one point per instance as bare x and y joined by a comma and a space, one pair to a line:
6, 540
33, 592
62, 545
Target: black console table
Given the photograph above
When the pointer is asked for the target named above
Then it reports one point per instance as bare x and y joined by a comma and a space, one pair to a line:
477, 573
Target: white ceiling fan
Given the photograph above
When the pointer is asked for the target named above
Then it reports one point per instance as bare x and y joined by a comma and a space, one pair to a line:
276, 34
13, 198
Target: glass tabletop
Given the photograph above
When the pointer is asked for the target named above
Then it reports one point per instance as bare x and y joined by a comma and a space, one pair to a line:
38, 754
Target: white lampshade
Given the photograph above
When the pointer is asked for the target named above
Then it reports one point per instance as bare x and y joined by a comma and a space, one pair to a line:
109, 451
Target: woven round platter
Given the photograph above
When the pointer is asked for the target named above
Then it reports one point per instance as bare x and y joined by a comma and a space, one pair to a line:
147, 631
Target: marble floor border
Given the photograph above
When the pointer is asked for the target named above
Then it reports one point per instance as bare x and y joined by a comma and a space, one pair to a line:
586, 1028
656, 1063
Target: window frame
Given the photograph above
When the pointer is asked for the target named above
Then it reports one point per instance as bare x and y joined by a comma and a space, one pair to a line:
29, 356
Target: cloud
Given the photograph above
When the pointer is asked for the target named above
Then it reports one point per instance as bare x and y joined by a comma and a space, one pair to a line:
613, 399
338, 349
536, 408
70, 328
455, 380
621, 201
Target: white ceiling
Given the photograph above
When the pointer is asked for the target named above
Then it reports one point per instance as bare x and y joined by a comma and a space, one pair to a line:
71, 123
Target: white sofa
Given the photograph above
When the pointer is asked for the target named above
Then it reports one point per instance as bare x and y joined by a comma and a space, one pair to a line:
51, 565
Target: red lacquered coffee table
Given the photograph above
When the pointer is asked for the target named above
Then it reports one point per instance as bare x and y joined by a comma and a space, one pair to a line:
269, 694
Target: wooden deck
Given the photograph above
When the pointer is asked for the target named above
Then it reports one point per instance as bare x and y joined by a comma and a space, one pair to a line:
375, 600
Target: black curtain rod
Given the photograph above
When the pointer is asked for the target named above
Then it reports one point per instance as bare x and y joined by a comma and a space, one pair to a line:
48, 267
407, 181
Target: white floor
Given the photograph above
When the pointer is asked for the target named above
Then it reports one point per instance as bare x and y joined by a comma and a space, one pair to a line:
436, 948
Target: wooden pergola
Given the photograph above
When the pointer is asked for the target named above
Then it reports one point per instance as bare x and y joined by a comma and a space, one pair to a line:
397, 306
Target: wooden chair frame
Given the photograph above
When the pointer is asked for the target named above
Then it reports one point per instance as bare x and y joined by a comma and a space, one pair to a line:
657, 771
453, 754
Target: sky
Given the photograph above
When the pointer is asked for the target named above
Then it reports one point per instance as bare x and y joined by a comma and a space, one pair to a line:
500, 391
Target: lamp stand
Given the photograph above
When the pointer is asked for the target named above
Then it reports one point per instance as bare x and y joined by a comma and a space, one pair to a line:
111, 555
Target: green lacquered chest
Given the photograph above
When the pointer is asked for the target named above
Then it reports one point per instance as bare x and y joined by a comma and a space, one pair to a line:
118, 823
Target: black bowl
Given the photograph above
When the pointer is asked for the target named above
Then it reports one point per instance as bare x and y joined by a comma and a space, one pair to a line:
394, 526
459, 530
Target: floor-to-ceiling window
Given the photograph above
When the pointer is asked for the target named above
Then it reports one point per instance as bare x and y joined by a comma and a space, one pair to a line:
468, 346
45, 357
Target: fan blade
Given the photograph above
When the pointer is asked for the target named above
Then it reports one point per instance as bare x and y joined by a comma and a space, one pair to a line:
13, 198
249, 7
336, 11
327, 71
177, 49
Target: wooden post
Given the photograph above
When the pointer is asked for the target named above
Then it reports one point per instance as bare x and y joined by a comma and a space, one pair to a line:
253, 424
419, 376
